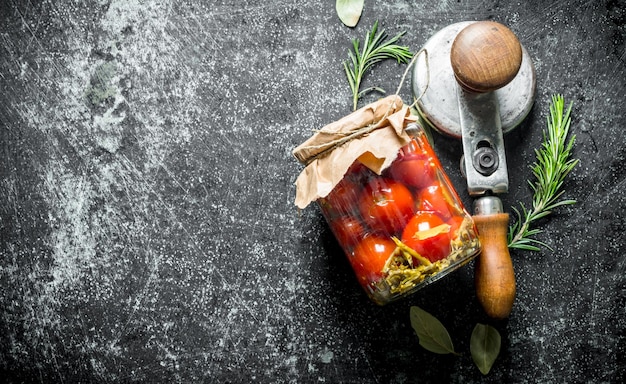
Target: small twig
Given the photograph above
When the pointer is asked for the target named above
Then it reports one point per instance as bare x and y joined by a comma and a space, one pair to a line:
376, 48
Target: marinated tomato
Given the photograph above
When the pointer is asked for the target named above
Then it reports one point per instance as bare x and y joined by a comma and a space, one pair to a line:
428, 235
455, 222
348, 231
341, 200
412, 167
386, 205
369, 257
432, 198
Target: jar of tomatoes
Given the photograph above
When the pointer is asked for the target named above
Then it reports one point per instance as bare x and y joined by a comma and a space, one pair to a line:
402, 226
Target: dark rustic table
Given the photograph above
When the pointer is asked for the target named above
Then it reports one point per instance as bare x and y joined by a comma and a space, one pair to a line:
148, 231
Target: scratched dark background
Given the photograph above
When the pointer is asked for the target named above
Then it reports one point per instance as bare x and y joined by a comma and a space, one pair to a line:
147, 225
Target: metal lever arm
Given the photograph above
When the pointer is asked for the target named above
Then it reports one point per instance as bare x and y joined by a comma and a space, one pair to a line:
486, 56
483, 144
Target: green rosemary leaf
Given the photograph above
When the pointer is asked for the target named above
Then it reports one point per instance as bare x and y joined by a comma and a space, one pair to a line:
349, 75
533, 232
527, 244
539, 215
525, 247
376, 48
551, 207
552, 165
371, 89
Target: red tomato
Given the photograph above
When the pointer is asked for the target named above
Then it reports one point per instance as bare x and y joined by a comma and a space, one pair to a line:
348, 231
455, 223
342, 200
433, 246
412, 167
432, 198
386, 205
369, 257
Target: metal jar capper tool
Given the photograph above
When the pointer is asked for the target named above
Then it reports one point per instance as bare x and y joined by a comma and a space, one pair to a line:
477, 83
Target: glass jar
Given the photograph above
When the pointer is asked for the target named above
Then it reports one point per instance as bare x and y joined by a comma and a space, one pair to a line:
403, 229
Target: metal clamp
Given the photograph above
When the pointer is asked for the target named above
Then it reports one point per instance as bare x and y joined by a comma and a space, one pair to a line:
483, 145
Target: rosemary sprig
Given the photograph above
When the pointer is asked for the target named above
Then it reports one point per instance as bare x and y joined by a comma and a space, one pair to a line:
376, 48
553, 164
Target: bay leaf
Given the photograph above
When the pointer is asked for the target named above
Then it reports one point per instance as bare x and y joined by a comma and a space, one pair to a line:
349, 11
433, 336
484, 346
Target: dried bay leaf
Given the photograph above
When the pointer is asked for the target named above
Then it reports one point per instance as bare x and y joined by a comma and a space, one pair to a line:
433, 336
349, 11
485, 346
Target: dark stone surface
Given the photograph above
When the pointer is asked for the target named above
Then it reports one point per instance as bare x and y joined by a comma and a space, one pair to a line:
148, 232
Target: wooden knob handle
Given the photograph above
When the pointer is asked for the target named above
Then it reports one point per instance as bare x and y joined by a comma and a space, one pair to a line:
494, 275
485, 56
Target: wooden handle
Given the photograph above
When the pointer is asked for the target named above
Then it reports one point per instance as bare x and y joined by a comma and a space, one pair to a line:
494, 275
485, 56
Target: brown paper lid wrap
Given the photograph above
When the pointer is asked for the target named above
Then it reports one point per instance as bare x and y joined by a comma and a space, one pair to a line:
372, 134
